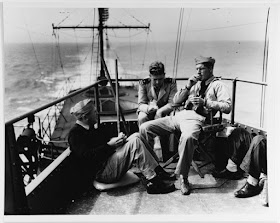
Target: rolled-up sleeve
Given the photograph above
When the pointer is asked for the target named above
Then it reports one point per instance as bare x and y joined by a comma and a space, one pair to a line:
181, 96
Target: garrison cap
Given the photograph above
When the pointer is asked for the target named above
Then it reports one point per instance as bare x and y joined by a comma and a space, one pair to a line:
156, 68
81, 108
202, 59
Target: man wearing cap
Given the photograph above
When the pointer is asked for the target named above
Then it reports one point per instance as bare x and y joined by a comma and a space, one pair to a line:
202, 93
106, 159
155, 98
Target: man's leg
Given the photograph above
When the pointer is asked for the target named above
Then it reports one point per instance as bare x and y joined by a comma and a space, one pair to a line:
142, 117
239, 143
159, 127
189, 136
254, 163
121, 161
134, 151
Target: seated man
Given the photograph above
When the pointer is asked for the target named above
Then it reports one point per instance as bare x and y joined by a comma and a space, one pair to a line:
255, 164
239, 142
155, 99
107, 160
155, 94
203, 93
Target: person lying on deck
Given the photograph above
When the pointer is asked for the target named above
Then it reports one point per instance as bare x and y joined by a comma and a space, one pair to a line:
255, 164
239, 140
203, 93
107, 159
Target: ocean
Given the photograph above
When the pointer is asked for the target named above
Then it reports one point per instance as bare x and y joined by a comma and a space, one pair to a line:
36, 73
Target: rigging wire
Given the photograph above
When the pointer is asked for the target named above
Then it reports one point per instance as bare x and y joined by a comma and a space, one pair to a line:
66, 17
78, 52
122, 37
133, 17
146, 44
33, 48
264, 75
92, 48
188, 20
178, 40
85, 18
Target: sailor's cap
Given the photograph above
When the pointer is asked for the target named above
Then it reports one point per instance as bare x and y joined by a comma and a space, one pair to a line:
81, 108
202, 59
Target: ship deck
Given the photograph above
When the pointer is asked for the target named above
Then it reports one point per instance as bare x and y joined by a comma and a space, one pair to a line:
209, 197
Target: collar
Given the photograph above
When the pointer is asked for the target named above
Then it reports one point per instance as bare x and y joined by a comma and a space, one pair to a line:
208, 81
82, 124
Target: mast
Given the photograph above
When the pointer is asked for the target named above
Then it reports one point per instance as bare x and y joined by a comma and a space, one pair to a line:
103, 17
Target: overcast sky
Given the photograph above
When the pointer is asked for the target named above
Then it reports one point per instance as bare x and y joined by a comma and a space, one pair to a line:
22, 24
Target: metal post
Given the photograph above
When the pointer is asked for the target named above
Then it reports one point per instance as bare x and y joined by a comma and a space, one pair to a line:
111, 84
233, 100
117, 99
96, 95
15, 197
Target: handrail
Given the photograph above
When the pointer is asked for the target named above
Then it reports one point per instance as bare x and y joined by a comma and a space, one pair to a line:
46, 172
96, 83
186, 78
49, 104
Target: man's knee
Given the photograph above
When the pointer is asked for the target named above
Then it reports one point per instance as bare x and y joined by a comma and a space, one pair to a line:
189, 136
143, 128
142, 118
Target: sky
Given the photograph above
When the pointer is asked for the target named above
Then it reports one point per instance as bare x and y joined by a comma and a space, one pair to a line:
33, 22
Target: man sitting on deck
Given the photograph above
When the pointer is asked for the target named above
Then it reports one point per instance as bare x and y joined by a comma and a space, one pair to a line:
107, 160
203, 93
155, 99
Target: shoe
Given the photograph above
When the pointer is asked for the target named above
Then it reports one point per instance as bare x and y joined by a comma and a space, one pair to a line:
163, 174
248, 190
158, 186
185, 186
264, 192
226, 174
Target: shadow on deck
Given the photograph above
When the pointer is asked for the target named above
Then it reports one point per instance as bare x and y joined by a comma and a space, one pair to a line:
209, 196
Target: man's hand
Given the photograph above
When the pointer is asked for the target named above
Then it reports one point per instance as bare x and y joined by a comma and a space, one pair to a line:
197, 101
152, 109
118, 141
192, 81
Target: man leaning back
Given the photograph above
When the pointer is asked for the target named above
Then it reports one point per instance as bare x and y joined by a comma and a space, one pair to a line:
202, 94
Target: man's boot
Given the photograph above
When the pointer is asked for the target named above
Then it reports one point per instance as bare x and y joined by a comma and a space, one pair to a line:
157, 186
163, 174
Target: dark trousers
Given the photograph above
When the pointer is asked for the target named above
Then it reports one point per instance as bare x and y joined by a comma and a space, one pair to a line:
234, 147
255, 160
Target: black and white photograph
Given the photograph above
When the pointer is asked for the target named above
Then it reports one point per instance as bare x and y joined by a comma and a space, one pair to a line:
152, 111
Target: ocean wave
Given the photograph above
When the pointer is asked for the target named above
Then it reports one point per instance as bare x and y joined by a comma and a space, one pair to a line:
24, 100
31, 84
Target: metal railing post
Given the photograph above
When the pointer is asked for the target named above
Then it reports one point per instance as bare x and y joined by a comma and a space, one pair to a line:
15, 197
97, 105
233, 100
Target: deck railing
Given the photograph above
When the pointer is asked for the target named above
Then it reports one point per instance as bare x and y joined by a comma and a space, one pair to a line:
13, 173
